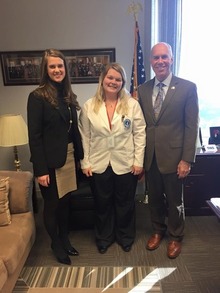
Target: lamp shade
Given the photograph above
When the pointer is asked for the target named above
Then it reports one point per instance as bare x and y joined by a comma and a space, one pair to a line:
13, 130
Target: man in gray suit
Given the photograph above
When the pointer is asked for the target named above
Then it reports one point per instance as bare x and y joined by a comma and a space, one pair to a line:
171, 146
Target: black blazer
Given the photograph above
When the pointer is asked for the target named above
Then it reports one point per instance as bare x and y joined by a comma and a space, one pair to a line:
48, 135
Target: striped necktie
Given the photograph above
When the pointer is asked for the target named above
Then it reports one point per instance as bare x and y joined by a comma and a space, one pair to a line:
159, 99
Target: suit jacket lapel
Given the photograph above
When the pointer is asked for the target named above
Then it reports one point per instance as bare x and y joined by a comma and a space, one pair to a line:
61, 113
103, 115
149, 101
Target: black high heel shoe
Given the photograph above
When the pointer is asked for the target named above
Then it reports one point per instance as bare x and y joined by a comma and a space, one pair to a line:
69, 249
72, 251
60, 254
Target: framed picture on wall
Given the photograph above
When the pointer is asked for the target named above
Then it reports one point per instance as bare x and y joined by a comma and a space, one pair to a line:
85, 65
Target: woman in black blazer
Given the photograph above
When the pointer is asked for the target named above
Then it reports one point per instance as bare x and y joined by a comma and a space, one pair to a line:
55, 146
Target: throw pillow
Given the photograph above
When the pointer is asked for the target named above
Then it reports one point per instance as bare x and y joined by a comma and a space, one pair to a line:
5, 215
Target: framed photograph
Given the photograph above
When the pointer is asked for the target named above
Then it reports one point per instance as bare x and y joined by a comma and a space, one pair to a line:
85, 65
214, 135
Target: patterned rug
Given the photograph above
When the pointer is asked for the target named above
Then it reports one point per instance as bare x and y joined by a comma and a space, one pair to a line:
88, 279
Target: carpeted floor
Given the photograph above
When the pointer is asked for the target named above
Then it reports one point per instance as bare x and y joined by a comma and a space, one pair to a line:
196, 270
83, 290
97, 279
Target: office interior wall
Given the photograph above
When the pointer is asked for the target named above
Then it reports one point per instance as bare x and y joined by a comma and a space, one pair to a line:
68, 24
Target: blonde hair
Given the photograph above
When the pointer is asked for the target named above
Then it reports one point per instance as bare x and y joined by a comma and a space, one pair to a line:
123, 94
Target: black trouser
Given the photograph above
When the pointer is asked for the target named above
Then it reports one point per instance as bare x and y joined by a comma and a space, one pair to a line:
166, 198
115, 207
56, 211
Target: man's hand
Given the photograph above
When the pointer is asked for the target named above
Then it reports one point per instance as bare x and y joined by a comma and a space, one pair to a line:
183, 169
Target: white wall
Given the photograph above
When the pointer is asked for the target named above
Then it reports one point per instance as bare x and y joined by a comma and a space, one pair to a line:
67, 24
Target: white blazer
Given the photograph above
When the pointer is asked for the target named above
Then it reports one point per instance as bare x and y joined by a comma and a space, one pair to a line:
122, 146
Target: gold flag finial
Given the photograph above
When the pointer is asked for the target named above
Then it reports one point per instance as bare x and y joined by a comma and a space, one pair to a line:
134, 9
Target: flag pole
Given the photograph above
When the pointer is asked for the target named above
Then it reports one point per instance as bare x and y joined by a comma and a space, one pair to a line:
135, 63
134, 9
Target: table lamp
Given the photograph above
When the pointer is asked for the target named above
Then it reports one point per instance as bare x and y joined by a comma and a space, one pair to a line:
13, 132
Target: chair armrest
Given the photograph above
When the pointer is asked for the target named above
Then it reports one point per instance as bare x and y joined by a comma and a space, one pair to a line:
20, 190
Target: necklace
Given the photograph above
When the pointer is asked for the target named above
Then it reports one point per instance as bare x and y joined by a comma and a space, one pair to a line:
110, 109
70, 118
111, 104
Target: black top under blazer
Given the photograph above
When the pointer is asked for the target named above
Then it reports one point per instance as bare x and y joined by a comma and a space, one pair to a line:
48, 135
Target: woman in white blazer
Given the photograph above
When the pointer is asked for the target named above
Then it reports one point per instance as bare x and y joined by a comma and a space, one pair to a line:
113, 133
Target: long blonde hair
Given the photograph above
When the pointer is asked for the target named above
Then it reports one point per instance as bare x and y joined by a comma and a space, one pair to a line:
122, 95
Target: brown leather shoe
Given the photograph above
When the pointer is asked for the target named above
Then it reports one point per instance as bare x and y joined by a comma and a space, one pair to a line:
154, 241
173, 249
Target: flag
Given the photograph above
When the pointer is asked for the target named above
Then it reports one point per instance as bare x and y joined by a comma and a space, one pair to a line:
138, 72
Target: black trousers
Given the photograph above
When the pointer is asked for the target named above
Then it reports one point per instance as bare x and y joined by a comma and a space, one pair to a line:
56, 211
166, 199
115, 207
